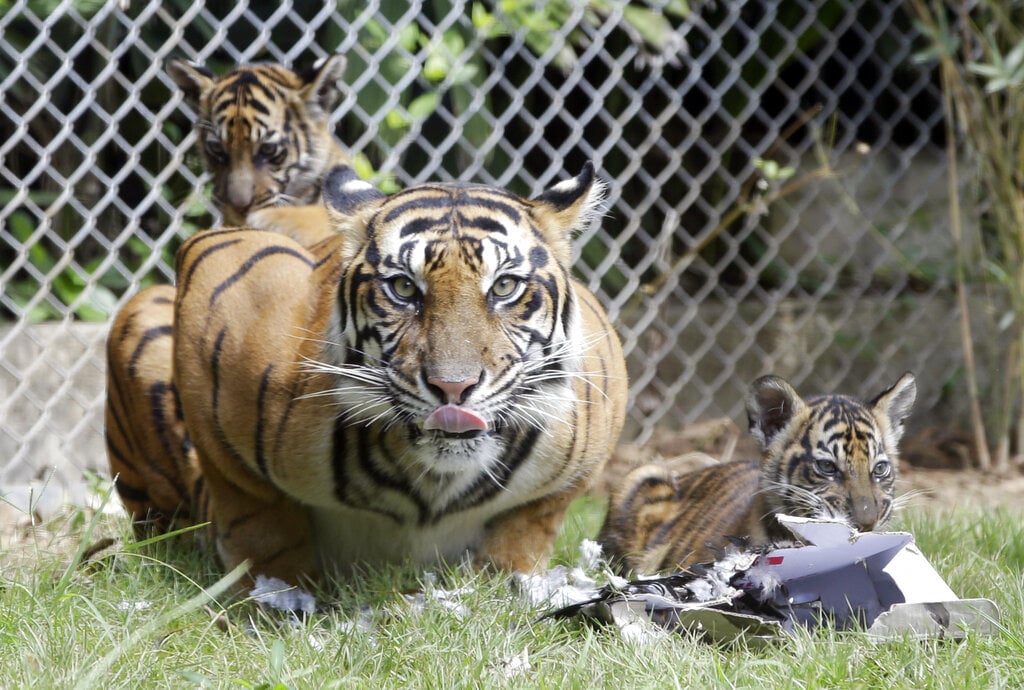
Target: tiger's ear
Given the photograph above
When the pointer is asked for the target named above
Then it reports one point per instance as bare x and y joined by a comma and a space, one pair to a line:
567, 207
193, 80
320, 92
771, 405
350, 202
896, 402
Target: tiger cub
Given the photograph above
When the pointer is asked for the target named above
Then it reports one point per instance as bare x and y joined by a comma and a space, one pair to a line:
828, 457
265, 136
427, 383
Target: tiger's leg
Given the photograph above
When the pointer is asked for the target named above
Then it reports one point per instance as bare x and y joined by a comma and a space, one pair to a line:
148, 447
521, 540
245, 303
264, 527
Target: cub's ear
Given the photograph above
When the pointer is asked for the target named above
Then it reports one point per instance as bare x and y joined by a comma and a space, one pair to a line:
193, 80
771, 406
566, 207
321, 90
350, 201
896, 402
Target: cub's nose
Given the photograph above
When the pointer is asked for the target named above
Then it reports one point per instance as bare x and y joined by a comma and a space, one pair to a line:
865, 514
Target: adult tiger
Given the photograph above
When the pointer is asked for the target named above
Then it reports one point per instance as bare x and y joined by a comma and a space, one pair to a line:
427, 383
265, 136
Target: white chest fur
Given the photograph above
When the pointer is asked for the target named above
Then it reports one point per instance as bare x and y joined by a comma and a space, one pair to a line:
388, 527
346, 537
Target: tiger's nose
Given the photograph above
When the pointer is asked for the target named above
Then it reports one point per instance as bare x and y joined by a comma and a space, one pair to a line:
240, 191
453, 392
865, 514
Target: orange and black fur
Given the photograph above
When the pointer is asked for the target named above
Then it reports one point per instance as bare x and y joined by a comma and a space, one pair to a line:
829, 457
427, 383
265, 136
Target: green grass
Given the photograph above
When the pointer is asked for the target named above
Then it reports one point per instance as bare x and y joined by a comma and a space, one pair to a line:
139, 617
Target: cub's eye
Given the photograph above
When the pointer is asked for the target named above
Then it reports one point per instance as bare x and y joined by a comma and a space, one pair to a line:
403, 288
826, 468
882, 469
506, 286
272, 152
215, 149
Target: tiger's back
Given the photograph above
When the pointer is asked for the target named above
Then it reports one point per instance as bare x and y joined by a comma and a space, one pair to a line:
828, 457
428, 383
658, 519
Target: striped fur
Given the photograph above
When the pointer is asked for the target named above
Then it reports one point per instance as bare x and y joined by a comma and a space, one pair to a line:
155, 462
265, 136
428, 383
828, 457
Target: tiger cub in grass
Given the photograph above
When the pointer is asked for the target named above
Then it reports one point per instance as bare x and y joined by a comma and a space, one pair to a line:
265, 137
829, 457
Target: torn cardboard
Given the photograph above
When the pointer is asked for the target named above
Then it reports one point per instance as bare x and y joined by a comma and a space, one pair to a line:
877, 582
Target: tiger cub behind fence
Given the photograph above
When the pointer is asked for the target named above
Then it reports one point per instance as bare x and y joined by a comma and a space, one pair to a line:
429, 382
265, 136
827, 457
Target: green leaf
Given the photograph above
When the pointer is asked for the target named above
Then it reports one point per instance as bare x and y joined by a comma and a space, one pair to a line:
100, 305
376, 33
942, 42
453, 42
983, 69
485, 23
277, 656
652, 26
436, 67
680, 8
65, 288
464, 74
384, 181
424, 105
409, 36
22, 227
1015, 58
395, 120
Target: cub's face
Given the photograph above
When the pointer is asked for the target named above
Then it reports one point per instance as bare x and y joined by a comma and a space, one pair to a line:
458, 308
263, 132
830, 457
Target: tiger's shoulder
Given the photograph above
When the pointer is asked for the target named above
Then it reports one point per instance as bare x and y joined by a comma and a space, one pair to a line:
265, 135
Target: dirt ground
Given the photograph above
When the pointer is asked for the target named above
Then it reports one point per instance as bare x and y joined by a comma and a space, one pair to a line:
936, 466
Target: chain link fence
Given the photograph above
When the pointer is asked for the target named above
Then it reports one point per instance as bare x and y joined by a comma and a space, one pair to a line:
775, 172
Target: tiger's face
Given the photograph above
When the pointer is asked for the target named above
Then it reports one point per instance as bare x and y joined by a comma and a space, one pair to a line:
456, 311
264, 132
829, 457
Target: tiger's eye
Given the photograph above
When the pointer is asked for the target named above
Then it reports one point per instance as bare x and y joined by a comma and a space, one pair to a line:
504, 286
826, 468
882, 469
403, 287
215, 149
271, 151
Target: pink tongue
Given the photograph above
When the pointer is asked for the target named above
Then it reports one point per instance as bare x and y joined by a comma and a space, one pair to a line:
454, 420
